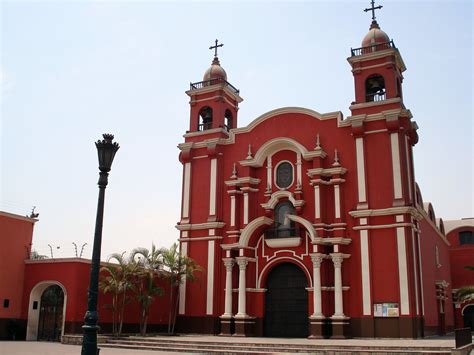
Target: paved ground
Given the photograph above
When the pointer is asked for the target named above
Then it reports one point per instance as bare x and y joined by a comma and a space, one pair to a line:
44, 348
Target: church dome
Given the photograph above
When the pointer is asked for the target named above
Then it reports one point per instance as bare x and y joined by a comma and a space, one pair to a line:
215, 71
375, 36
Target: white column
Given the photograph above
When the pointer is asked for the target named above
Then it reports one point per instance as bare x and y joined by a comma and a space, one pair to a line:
360, 169
182, 287
397, 175
213, 188
246, 208
408, 160
186, 189
337, 259
242, 308
317, 259
229, 264
210, 277
317, 202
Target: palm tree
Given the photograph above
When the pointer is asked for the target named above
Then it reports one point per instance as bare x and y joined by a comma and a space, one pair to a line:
466, 293
177, 268
144, 285
118, 281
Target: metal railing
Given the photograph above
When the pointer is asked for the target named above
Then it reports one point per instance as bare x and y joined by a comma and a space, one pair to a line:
204, 126
274, 233
372, 48
376, 97
202, 84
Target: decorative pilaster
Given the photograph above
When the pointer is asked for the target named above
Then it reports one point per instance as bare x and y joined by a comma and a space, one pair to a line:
317, 319
242, 261
229, 264
226, 318
340, 324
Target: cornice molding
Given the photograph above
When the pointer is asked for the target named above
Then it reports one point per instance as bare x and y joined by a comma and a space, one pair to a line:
386, 212
199, 226
18, 217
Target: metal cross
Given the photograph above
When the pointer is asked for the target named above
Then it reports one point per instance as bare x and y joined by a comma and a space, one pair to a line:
215, 47
373, 8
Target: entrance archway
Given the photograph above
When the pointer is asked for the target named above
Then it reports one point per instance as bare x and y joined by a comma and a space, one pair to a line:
286, 303
46, 311
468, 317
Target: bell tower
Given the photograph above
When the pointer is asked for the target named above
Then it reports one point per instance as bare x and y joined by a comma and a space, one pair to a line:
214, 101
377, 67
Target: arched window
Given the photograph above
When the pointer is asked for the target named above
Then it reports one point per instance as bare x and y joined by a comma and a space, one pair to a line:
228, 120
284, 175
375, 88
205, 118
283, 227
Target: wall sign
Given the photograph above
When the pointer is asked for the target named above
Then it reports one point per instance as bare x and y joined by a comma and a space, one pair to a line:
386, 310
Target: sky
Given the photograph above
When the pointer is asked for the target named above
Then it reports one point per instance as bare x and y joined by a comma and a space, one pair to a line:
72, 70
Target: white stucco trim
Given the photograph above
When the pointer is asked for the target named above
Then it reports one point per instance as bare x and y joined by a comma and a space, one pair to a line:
275, 145
33, 314
403, 272
186, 189
397, 174
365, 267
360, 169
276, 196
408, 162
415, 272
317, 202
296, 261
232, 211
337, 201
182, 286
269, 171
246, 208
305, 223
250, 228
213, 188
210, 277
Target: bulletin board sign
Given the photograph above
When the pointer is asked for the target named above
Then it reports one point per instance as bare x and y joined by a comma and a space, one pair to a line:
386, 310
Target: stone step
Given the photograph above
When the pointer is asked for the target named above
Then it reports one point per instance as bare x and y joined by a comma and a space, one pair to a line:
226, 348
310, 347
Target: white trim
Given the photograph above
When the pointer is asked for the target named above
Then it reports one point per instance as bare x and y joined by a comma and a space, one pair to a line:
365, 266
251, 228
415, 272
182, 286
213, 188
305, 223
397, 174
317, 203
464, 308
276, 196
195, 239
232, 211
246, 208
337, 201
33, 314
299, 262
269, 171
16, 216
210, 277
421, 279
408, 160
198, 226
360, 169
186, 189
403, 272
299, 174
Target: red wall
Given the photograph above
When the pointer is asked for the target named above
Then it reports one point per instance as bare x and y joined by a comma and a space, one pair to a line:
16, 232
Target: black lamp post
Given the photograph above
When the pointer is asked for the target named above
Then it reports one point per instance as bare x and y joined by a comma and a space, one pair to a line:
106, 150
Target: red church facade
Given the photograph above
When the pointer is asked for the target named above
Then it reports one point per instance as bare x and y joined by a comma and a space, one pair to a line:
309, 224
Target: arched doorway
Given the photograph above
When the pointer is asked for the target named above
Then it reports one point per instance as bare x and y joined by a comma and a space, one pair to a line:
46, 311
286, 303
468, 317
51, 314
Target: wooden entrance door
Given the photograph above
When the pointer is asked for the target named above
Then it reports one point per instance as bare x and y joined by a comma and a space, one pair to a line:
51, 314
286, 303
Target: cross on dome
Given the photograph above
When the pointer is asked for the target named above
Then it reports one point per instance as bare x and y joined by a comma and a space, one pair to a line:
215, 47
373, 8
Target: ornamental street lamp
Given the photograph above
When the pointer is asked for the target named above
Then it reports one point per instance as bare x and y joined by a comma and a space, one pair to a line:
106, 150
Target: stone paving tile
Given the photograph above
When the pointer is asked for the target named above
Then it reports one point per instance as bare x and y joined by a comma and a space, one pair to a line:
44, 348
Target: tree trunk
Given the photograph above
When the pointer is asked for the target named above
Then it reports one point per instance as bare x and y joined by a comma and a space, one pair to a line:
121, 314
175, 310
114, 315
171, 307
